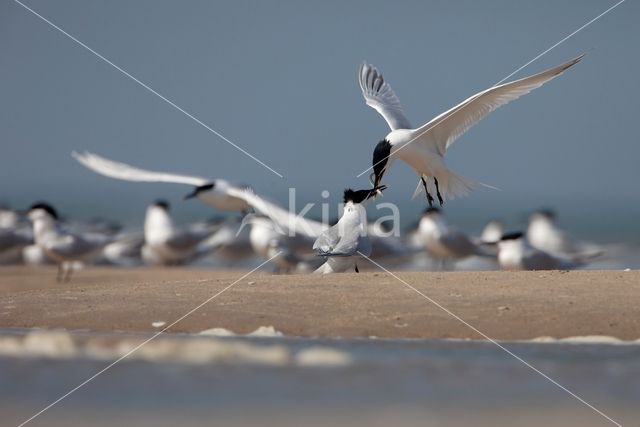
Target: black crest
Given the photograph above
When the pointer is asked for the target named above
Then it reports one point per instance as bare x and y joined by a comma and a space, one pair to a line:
432, 211
200, 189
512, 236
359, 196
380, 159
45, 207
163, 204
547, 213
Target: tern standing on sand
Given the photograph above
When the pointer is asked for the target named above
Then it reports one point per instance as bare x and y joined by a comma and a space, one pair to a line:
167, 244
516, 253
424, 148
63, 247
444, 242
347, 240
544, 234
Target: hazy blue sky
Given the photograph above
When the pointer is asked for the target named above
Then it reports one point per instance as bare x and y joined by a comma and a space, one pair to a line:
279, 79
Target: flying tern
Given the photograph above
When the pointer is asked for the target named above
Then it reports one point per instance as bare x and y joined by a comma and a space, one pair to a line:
213, 192
424, 148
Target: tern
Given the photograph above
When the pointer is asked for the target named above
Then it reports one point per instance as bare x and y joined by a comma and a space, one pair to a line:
492, 231
303, 232
230, 243
14, 236
213, 192
269, 242
167, 244
424, 148
124, 251
346, 241
516, 253
64, 247
544, 234
444, 242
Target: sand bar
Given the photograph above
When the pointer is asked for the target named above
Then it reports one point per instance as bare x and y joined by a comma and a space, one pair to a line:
503, 305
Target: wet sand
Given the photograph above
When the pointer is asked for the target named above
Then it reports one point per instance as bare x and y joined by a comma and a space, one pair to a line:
503, 305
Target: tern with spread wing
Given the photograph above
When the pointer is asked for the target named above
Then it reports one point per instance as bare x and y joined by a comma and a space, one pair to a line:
213, 192
424, 148
302, 232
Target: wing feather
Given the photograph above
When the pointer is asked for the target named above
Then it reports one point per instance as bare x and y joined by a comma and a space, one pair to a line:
327, 240
444, 129
286, 221
127, 172
379, 95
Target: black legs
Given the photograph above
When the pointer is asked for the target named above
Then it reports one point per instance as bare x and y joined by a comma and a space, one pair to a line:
429, 197
438, 191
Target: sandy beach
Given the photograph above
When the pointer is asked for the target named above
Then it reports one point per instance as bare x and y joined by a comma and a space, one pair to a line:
503, 305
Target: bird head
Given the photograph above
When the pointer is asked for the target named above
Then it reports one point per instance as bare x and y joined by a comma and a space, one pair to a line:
381, 155
359, 196
161, 204
200, 189
42, 210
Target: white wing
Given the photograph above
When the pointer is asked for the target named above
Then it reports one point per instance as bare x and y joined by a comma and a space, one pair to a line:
348, 245
289, 223
379, 95
450, 125
327, 240
126, 172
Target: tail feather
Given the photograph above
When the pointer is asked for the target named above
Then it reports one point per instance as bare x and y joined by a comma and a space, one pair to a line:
451, 185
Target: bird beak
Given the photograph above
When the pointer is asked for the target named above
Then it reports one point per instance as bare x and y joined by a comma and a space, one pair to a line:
377, 191
380, 189
191, 195
376, 182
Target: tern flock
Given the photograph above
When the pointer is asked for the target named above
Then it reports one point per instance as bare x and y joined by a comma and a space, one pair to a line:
294, 243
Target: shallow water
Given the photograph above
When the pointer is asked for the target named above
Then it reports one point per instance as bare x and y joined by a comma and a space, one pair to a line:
285, 380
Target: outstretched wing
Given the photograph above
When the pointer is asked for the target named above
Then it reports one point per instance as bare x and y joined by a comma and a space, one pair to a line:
379, 95
287, 222
126, 172
450, 125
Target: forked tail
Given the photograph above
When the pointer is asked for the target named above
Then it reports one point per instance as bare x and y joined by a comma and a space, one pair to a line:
450, 184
